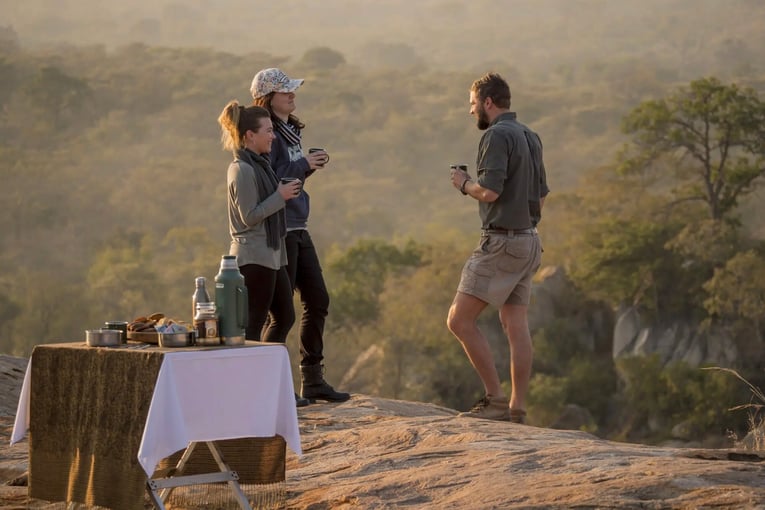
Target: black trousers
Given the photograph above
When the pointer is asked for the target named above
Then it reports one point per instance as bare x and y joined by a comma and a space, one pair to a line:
306, 277
269, 296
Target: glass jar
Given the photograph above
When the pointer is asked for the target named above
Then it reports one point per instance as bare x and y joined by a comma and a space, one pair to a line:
206, 324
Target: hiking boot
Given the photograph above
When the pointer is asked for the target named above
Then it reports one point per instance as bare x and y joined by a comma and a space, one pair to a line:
490, 408
518, 416
314, 387
301, 402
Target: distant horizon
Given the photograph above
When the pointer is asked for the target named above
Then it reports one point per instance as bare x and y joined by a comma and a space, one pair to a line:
436, 33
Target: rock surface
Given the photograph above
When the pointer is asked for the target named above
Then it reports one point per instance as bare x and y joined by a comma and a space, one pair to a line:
674, 342
373, 453
625, 333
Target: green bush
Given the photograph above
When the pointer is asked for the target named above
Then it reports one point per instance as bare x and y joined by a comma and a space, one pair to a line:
592, 384
547, 396
567, 371
656, 399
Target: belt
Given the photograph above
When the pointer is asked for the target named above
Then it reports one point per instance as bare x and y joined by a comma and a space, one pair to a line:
515, 232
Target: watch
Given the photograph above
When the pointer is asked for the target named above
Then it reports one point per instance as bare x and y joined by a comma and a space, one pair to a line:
462, 188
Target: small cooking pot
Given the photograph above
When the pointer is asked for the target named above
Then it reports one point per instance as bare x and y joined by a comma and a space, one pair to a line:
185, 339
103, 337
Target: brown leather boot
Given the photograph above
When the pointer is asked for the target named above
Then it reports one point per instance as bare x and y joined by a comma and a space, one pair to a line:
490, 408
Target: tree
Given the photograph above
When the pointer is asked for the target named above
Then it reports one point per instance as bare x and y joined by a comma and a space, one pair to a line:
43, 307
617, 245
655, 398
702, 147
9, 39
421, 360
57, 95
122, 280
707, 243
627, 263
709, 141
364, 268
323, 57
406, 352
391, 55
9, 72
738, 290
710, 137
9, 310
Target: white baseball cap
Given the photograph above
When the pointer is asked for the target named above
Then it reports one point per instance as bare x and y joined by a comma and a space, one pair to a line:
272, 80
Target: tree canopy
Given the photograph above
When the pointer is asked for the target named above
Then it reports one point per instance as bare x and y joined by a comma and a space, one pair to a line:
114, 197
709, 137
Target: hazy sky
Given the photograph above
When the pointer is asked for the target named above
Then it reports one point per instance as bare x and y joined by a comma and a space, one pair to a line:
448, 33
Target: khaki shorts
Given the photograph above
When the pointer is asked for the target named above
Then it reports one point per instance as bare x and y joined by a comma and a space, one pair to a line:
500, 269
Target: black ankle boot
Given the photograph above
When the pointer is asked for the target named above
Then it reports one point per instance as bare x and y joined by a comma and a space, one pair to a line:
300, 401
314, 387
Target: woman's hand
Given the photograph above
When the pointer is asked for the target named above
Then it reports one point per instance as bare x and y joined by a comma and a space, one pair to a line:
317, 159
289, 189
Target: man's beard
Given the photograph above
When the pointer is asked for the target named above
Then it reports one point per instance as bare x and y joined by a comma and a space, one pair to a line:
482, 120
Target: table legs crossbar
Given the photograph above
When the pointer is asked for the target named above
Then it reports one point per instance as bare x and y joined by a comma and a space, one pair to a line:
160, 488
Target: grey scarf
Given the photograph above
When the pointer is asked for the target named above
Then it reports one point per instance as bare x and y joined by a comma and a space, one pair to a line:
267, 183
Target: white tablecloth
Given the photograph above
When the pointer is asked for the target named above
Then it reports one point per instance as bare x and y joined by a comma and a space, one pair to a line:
21, 423
209, 395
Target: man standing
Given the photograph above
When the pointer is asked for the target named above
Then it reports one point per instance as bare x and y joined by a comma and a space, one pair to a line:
510, 188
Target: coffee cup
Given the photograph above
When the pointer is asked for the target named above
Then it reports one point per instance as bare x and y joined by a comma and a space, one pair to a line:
286, 180
319, 149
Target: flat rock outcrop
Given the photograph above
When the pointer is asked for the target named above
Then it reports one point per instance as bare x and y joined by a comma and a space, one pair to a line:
375, 453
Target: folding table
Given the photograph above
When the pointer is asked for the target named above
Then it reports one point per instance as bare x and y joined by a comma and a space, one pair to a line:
101, 419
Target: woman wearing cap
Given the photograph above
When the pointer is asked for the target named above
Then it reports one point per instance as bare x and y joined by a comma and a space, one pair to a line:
275, 91
256, 220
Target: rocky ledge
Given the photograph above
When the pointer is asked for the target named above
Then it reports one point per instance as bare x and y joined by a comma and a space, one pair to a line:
375, 453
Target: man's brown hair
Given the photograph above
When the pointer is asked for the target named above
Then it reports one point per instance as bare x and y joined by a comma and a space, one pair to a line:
494, 86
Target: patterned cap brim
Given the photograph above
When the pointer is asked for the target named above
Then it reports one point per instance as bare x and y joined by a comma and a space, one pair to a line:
290, 86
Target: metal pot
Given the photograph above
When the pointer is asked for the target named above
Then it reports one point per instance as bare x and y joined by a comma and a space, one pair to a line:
103, 337
185, 339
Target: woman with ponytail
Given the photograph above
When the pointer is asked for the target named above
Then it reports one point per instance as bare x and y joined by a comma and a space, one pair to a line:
256, 221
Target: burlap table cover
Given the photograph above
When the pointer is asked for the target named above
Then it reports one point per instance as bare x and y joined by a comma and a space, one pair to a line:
88, 407
87, 412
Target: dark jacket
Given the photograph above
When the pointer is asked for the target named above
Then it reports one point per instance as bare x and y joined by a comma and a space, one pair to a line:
288, 161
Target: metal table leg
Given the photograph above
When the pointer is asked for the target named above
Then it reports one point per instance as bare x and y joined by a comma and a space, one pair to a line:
160, 488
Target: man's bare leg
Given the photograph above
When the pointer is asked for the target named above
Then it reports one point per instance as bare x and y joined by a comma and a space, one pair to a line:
515, 323
461, 321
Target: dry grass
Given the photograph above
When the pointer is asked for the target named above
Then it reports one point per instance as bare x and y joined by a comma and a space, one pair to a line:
755, 439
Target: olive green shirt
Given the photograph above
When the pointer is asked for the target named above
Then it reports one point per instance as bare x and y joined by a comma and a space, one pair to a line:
509, 162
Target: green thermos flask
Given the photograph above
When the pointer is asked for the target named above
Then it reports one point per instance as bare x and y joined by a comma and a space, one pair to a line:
231, 301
